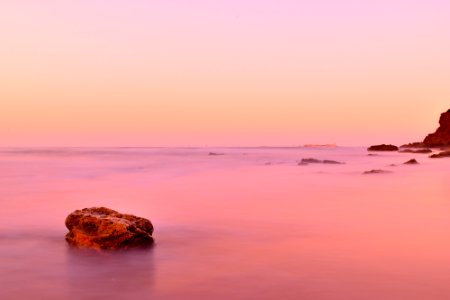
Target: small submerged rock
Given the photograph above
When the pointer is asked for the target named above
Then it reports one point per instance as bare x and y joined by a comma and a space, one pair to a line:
412, 161
332, 162
310, 161
306, 161
419, 151
104, 228
377, 171
441, 154
383, 147
215, 153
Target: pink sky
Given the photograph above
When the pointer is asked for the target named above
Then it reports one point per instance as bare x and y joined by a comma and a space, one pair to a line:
196, 73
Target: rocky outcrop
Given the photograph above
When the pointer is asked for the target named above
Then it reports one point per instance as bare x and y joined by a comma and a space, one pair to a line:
104, 228
441, 154
413, 145
441, 137
383, 147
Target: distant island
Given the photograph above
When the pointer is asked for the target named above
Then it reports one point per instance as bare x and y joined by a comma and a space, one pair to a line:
320, 145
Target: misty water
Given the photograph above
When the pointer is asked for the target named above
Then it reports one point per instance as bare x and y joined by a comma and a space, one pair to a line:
248, 223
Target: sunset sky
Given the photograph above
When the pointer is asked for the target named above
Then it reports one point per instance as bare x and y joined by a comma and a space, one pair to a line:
222, 73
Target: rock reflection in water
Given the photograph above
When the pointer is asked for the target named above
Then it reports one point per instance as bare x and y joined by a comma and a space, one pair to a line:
95, 274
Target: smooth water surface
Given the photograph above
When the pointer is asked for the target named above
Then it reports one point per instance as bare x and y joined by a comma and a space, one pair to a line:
248, 224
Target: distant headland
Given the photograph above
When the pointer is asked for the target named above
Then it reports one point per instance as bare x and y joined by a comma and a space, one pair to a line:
441, 137
438, 139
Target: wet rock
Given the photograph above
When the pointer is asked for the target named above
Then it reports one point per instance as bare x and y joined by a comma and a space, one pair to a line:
412, 161
383, 147
104, 228
441, 154
376, 171
441, 137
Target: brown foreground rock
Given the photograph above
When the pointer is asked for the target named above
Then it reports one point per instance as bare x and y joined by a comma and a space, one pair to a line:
441, 137
104, 228
383, 147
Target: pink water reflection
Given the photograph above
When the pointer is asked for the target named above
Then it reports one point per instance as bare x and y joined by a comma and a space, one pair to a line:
229, 227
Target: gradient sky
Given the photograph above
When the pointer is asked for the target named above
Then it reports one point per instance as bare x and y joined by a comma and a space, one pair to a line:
197, 73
